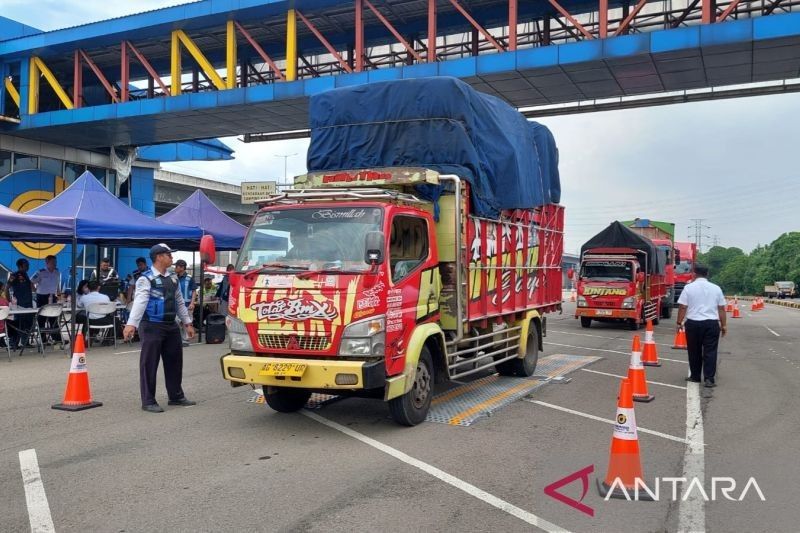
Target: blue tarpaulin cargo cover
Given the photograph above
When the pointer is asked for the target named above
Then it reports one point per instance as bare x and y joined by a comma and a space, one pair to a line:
442, 124
198, 210
100, 217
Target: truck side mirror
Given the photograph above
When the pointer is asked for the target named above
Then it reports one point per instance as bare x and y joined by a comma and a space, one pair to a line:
208, 249
373, 247
640, 277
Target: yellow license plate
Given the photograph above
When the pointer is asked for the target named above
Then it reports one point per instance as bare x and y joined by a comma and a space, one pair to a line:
293, 370
602, 312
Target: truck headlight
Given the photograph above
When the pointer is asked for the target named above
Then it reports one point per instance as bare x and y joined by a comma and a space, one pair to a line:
629, 302
364, 338
239, 338
582, 302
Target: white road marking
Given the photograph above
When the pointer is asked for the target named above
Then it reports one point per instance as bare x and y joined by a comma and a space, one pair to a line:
38, 508
623, 377
692, 513
772, 331
131, 351
470, 489
607, 421
612, 351
598, 336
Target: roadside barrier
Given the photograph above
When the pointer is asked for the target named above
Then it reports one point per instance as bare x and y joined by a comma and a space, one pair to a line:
680, 339
77, 395
650, 353
624, 463
636, 374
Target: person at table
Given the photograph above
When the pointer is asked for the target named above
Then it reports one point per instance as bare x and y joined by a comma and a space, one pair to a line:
133, 277
224, 291
20, 294
209, 294
94, 296
3, 303
107, 278
48, 283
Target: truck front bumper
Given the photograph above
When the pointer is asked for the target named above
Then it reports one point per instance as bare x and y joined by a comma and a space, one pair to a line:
318, 374
605, 313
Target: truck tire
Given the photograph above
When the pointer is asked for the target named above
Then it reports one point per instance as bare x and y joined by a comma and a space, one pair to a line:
633, 324
285, 399
526, 366
586, 322
412, 407
666, 310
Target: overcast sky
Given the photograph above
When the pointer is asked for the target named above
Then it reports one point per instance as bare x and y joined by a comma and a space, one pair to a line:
733, 163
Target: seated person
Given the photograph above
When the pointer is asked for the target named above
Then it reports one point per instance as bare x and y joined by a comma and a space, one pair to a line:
94, 296
209, 295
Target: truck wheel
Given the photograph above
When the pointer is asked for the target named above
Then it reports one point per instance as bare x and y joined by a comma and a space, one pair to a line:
666, 311
633, 324
412, 407
285, 399
586, 322
526, 366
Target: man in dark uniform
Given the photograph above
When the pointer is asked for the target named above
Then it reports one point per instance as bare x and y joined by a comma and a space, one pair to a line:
20, 293
157, 303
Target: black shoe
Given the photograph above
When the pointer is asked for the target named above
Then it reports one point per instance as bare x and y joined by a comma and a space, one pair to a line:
183, 401
153, 408
693, 380
710, 384
185, 344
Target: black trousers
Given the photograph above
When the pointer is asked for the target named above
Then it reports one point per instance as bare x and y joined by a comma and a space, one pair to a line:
702, 340
160, 341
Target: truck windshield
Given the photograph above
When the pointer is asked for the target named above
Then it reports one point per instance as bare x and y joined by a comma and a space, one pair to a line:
607, 271
684, 267
309, 239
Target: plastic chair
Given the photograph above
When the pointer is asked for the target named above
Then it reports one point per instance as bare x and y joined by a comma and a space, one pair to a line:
4, 312
106, 309
54, 316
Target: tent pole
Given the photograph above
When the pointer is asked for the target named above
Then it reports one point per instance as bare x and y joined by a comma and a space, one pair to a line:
74, 298
202, 289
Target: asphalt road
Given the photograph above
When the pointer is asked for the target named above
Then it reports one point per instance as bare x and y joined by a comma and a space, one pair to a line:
228, 464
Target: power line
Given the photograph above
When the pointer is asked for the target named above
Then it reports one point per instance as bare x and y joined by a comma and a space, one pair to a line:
697, 224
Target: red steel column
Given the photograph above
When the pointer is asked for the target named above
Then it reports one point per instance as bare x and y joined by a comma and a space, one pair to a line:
125, 75
431, 31
359, 36
512, 25
77, 89
603, 20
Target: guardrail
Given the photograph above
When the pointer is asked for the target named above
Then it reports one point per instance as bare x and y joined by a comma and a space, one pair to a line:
782, 303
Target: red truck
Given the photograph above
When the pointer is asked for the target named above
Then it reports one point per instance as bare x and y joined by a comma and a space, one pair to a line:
361, 283
687, 255
622, 278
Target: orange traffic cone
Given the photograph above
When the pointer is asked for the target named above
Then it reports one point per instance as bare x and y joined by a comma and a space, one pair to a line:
680, 340
624, 464
736, 313
77, 396
572, 296
754, 306
636, 374
761, 303
650, 354
729, 308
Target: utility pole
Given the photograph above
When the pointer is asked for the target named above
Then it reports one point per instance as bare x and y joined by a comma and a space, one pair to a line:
699, 227
285, 165
715, 240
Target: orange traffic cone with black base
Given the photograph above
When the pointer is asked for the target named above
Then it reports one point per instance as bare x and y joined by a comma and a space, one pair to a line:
636, 374
680, 339
624, 463
736, 313
77, 395
650, 353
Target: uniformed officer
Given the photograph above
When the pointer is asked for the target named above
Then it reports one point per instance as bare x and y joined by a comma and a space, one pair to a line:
157, 303
47, 282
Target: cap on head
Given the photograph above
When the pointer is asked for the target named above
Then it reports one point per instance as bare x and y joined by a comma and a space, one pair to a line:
180, 263
159, 249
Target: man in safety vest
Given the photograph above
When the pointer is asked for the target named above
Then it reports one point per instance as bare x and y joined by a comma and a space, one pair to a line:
157, 304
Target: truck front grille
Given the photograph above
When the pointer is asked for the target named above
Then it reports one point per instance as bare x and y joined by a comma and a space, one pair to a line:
304, 342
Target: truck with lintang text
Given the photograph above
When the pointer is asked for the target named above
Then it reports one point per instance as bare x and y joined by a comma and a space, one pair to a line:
662, 235
424, 244
622, 278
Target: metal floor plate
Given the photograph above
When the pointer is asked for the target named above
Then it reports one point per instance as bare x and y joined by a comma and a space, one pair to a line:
468, 403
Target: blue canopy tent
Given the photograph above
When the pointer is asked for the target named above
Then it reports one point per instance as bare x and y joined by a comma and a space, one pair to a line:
32, 228
96, 216
198, 210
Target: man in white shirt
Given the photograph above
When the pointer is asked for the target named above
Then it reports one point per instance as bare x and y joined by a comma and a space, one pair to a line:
702, 304
48, 283
93, 297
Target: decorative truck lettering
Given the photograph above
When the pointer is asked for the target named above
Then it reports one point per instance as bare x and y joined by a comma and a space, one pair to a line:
295, 310
604, 291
